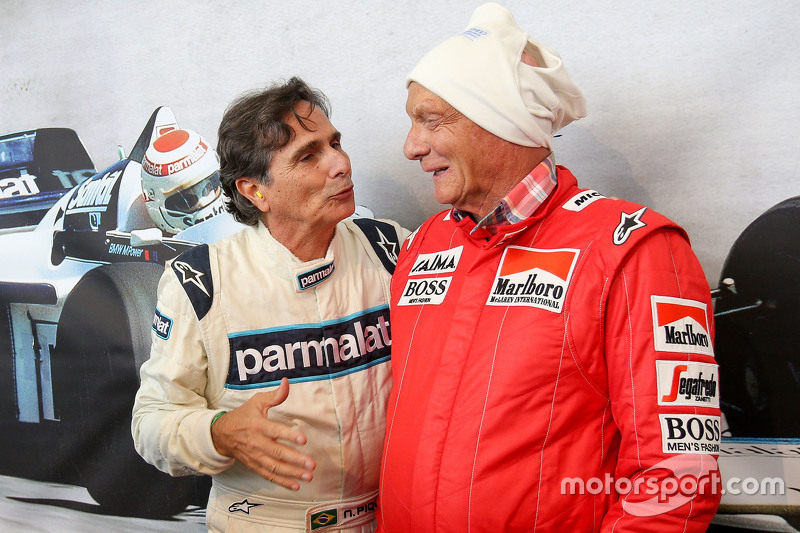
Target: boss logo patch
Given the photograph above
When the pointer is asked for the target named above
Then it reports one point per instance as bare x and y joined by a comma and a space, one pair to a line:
429, 291
689, 433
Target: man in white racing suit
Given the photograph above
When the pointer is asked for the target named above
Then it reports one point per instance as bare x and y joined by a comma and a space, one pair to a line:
276, 338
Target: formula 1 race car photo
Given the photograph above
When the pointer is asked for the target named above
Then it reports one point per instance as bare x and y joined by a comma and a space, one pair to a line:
757, 310
80, 260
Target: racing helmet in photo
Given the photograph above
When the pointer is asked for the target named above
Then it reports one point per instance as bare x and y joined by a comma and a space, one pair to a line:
180, 180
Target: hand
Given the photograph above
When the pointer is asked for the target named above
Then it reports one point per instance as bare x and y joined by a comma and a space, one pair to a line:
247, 435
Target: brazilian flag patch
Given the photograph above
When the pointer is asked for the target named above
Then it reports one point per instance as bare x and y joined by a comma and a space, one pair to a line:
324, 518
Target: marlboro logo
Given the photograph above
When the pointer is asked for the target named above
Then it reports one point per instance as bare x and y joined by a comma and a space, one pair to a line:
533, 277
680, 326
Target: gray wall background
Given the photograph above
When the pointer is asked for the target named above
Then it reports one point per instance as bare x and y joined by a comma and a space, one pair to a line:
693, 106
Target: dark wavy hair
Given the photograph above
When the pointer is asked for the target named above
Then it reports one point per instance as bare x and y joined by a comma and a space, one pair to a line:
253, 128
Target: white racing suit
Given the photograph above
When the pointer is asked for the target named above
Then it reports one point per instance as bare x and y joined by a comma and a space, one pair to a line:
235, 317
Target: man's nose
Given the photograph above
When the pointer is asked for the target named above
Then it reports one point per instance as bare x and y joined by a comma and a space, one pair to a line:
340, 163
415, 147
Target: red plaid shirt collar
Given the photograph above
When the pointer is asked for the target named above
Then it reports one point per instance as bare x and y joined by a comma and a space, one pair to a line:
523, 200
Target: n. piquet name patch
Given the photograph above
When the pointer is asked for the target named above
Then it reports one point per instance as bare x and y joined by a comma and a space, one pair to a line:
533, 277
309, 352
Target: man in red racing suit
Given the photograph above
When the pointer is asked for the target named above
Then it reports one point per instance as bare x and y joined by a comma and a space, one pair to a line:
532, 364
553, 363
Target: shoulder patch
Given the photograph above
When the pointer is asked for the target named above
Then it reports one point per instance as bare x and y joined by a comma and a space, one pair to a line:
628, 223
383, 238
162, 325
581, 200
680, 325
193, 269
687, 383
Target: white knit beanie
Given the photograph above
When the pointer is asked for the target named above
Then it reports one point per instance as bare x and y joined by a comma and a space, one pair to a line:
480, 73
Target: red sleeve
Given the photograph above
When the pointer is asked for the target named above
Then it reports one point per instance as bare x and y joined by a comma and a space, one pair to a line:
663, 386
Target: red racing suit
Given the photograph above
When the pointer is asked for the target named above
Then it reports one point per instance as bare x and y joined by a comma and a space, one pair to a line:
556, 376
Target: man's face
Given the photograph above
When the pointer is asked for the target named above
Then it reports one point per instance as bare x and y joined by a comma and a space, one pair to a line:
311, 176
466, 160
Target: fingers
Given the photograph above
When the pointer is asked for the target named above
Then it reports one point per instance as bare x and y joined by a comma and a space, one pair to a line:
279, 395
277, 430
285, 466
261, 451
262, 444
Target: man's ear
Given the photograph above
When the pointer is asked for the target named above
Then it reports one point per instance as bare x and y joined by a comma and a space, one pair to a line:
252, 189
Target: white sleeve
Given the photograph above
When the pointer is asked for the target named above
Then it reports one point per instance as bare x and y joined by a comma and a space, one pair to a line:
171, 424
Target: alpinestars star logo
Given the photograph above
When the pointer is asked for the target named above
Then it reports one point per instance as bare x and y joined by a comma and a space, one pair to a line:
628, 223
242, 507
190, 275
388, 246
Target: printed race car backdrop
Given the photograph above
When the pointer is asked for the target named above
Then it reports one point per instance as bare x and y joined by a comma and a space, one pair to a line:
692, 111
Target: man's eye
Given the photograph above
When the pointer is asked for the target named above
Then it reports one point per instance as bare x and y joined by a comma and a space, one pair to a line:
433, 122
306, 158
